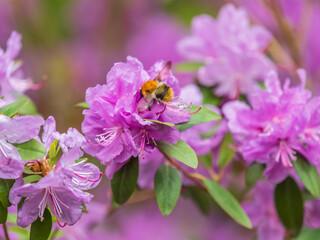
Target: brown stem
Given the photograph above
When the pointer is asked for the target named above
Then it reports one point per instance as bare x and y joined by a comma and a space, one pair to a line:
5, 230
286, 31
185, 172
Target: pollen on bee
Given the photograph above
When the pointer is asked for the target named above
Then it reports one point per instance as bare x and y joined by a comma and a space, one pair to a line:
148, 87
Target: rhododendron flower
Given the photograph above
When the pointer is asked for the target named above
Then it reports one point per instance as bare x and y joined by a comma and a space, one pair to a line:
270, 131
64, 201
18, 129
231, 50
115, 124
61, 183
263, 214
11, 77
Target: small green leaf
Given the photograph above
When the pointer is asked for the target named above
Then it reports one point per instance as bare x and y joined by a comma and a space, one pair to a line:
125, 180
180, 151
84, 208
200, 198
227, 202
3, 214
289, 204
188, 66
226, 153
41, 230
156, 121
202, 116
167, 187
29, 108
254, 173
31, 150
14, 108
53, 150
308, 175
82, 105
32, 178
5, 186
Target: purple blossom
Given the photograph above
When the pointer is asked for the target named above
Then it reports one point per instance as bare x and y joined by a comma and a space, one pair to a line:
63, 200
270, 131
115, 126
231, 50
11, 77
61, 184
263, 214
18, 129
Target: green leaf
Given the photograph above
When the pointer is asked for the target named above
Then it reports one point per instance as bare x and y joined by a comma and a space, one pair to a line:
29, 108
254, 173
204, 115
188, 66
156, 121
3, 214
32, 178
41, 230
309, 234
5, 186
31, 150
289, 204
82, 105
226, 152
206, 160
14, 108
53, 150
167, 187
125, 180
308, 175
200, 198
227, 202
180, 151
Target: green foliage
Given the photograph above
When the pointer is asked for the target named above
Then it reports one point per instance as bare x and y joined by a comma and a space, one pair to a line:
3, 214
199, 197
29, 108
32, 179
31, 150
188, 66
5, 186
180, 151
202, 116
289, 204
84, 105
40, 230
308, 175
226, 152
163, 123
227, 202
14, 108
167, 187
254, 173
125, 180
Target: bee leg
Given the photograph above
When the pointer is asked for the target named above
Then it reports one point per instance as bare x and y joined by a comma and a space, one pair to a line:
150, 104
141, 96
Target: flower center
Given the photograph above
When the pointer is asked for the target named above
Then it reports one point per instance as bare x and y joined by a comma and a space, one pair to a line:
285, 154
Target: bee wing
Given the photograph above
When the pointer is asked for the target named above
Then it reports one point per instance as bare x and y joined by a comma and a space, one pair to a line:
165, 72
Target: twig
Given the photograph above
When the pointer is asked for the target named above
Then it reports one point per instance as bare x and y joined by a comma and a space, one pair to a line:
185, 172
5, 230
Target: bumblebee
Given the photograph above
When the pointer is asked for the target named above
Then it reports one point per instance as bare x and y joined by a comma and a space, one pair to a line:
157, 90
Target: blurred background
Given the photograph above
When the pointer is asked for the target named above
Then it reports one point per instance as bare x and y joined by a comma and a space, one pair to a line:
75, 42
